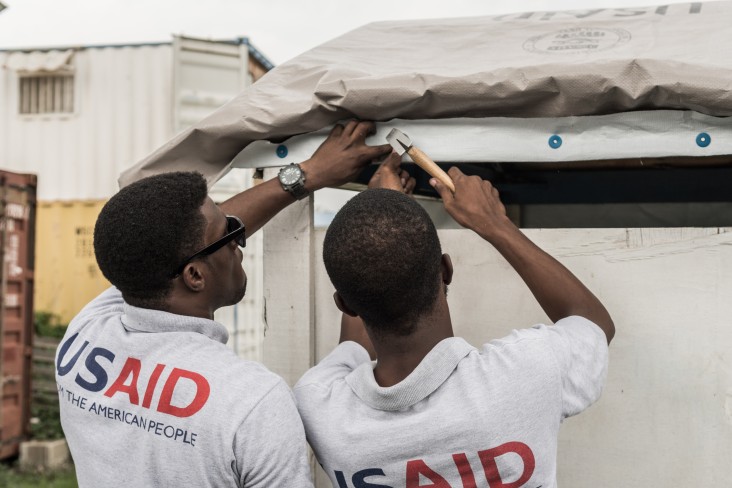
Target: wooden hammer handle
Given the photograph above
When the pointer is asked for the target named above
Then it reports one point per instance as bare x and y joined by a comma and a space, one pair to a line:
424, 162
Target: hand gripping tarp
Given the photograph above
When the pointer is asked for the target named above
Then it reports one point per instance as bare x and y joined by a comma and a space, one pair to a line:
532, 65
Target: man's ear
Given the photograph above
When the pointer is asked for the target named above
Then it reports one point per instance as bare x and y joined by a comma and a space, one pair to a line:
342, 306
446, 269
193, 277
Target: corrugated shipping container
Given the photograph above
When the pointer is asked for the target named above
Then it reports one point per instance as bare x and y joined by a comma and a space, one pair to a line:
17, 219
121, 112
67, 275
126, 102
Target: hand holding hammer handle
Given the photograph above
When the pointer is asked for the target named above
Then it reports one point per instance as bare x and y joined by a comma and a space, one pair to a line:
424, 162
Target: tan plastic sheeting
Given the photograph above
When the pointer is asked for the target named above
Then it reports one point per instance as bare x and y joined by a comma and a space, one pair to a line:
556, 64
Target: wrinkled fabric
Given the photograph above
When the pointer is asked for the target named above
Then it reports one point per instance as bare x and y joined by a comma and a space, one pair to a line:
555, 64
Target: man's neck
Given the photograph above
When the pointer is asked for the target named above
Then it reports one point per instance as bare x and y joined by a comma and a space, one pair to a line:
399, 356
191, 305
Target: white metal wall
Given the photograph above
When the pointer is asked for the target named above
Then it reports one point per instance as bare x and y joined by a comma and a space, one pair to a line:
206, 75
129, 100
122, 112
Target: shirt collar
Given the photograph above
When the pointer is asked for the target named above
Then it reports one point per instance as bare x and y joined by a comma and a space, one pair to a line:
434, 369
136, 319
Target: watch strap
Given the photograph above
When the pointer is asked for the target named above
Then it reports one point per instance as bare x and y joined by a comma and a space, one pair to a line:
298, 189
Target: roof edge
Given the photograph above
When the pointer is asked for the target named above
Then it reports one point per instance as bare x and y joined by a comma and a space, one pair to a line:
253, 51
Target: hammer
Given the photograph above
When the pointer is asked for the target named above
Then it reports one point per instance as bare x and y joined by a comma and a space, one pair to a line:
402, 143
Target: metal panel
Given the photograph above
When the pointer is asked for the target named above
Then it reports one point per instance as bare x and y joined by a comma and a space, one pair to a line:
67, 275
206, 75
122, 112
126, 106
17, 234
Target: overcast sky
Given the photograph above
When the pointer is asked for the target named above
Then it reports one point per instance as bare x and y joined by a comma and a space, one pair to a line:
280, 29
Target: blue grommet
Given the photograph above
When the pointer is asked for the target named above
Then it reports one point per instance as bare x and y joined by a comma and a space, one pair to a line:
281, 151
703, 139
555, 141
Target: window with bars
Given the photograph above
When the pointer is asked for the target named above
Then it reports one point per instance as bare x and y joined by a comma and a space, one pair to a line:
47, 94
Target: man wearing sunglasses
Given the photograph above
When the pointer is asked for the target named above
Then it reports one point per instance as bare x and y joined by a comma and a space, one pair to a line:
149, 394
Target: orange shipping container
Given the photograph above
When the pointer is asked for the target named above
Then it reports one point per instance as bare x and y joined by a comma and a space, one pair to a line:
67, 275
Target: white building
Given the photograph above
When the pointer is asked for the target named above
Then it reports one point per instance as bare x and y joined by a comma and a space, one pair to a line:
78, 116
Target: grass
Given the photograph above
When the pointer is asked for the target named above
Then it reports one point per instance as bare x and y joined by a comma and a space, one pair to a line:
48, 324
11, 477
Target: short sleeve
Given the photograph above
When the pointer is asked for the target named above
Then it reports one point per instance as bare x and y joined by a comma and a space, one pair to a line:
270, 446
580, 348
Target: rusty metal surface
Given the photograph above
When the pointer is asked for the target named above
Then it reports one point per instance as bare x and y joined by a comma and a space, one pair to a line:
17, 238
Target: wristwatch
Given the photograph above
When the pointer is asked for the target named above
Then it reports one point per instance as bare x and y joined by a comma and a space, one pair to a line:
292, 179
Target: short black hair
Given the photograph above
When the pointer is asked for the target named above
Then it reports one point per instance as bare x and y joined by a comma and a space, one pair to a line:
383, 256
146, 230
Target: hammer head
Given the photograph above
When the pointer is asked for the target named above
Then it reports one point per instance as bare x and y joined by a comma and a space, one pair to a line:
399, 141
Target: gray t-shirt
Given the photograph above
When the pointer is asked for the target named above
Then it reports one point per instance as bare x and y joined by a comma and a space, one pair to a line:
150, 398
464, 417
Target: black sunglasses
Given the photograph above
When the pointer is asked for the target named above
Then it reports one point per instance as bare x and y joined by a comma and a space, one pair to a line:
234, 231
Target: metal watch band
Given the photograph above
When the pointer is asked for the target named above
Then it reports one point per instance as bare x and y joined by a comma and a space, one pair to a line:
298, 189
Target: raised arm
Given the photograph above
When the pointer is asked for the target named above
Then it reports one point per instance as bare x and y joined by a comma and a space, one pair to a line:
476, 206
337, 161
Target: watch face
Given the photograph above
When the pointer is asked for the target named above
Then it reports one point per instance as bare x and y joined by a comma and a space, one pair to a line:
290, 175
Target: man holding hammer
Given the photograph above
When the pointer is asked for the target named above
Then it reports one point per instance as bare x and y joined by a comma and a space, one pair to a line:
434, 411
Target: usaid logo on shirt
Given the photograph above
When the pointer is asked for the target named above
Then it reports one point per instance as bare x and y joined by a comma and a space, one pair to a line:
92, 375
516, 459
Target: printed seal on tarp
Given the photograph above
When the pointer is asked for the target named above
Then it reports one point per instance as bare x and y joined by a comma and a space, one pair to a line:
577, 40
